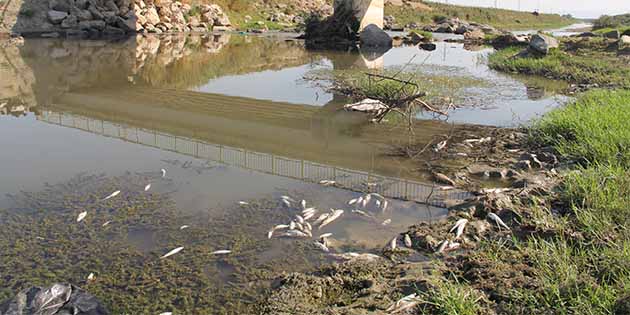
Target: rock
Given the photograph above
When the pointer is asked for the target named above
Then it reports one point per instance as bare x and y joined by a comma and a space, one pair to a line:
428, 46
508, 39
56, 17
524, 165
222, 20
474, 35
416, 38
624, 42
81, 4
60, 5
56, 299
374, 36
542, 43
111, 6
614, 34
587, 34
94, 24
445, 28
113, 31
83, 15
152, 16
128, 25
70, 22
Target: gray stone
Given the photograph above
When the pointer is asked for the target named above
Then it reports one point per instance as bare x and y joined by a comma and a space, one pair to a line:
428, 46
128, 25
222, 20
374, 36
60, 5
113, 31
614, 34
55, 17
96, 13
542, 43
70, 22
95, 24
83, 15
445, 28
56, 299
81, 4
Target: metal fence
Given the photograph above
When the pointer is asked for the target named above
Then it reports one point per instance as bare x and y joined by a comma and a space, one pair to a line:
308, 171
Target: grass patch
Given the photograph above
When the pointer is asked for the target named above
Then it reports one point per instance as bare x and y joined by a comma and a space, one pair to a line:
499, 18
583, 68
425, 34
450, 297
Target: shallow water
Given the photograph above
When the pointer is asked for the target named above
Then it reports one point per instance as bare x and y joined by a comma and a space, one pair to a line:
231, 119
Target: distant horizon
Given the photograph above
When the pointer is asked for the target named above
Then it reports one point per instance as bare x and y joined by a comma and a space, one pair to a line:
588, 9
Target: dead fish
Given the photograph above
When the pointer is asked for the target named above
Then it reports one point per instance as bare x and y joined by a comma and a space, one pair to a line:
183, 227
386, 222
353, 201
167, 313
497, 220
309, 215
288, 198
327, 182
441, 178
445, 188
378, 203
494, 190
163, 173
292, 225
379, 196
461, 154
405, 303
459, 226
286, 203
385, 203
90, 277
471, 140
408, 241
332, 217
440, 146
303, 203
270, 234
147, 187
243, 203
173, 252
308, 210
114, 194
106, 223
81, 216
442, 247
221, 252
299, 226
321, 246
321, 218
325, 236
453, 245
299, 219
392, 243
363, 213
487, 139
294, 233
280, 226
308, 226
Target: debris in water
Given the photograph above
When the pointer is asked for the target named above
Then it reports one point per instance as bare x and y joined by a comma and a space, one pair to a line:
173, 252
183, 227
321, 246
303, 203
393, 242
325, 236
405, 303
497, 220
408, 241
221, 252
386, 222
147, 187
163, 173
114, 194
81, 216
332, 217
106, 223
243, 203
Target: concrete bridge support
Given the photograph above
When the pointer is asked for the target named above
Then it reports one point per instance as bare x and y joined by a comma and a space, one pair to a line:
367, 11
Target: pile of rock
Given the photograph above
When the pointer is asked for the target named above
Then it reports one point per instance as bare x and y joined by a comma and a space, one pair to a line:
119, 17
471, 31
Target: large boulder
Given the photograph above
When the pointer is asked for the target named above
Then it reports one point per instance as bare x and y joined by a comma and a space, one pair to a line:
94, 25
624, 44
152, 16
70, 22
374, 36
542, 43
56, 299
56, 17
614, 34
474, 35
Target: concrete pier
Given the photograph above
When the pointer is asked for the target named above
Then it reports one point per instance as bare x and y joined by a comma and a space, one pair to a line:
367, 11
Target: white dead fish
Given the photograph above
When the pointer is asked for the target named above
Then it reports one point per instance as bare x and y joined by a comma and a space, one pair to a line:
292, 225
173, 252
327, 182
81, 216
106, 223
497, 220
147, 187
378, 203
321, 246
386, 222
325, 236
487, 139
308, 210
363, 213
367, 199
408, 241
353, 201
445, 188
39, 238
270, 234
243, 203
294, 233
288, 198
299, 226
303, 203
440, 146
308, 226
221, 252
461, 154
90, 277
471, 140
403, 304
286, 203
299, 219
281, 226
332, 217
321, 218
379, 196
453, 245
385, 203
393, 242
167, 313
163, 173
183, 227
441, 178
442, 247
309, 216
459, 226
114, 194
494, 190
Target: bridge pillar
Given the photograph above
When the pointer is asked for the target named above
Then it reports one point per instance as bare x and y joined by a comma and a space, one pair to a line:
367, 11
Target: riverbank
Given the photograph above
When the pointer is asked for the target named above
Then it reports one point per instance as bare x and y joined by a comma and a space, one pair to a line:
561, 244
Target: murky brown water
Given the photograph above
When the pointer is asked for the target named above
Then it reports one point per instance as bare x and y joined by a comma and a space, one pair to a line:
230, 118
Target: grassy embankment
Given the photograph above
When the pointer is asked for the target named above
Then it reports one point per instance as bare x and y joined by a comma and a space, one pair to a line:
607, 23
499, 18
576, 254
587, 64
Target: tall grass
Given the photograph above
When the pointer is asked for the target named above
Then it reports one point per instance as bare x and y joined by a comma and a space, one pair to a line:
451, 298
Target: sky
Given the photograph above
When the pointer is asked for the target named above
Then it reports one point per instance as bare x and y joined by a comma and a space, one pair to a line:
578, 8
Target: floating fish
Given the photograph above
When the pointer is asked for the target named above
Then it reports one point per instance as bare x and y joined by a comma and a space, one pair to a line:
221, 252
459, 226
321, 246
303, 203
299, 219
163, 172
173, 252
332, 217
90, 277
106, 223
114, 194
363, 213
81, 216
386, 222
309, 215
299, 226
292, 225
147, 187
321, 218
183, 227
286, 203
243, 203
288, 198
325, 236
408, 241
393, 242
308, 210
308, 226
295, 233
498, 220
281, 226
385, 203
353, 201
442, 247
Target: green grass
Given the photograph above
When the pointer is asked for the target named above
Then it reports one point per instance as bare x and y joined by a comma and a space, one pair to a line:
616, 21
425, 34
500, 18
595, 129
585, 68
449, 297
